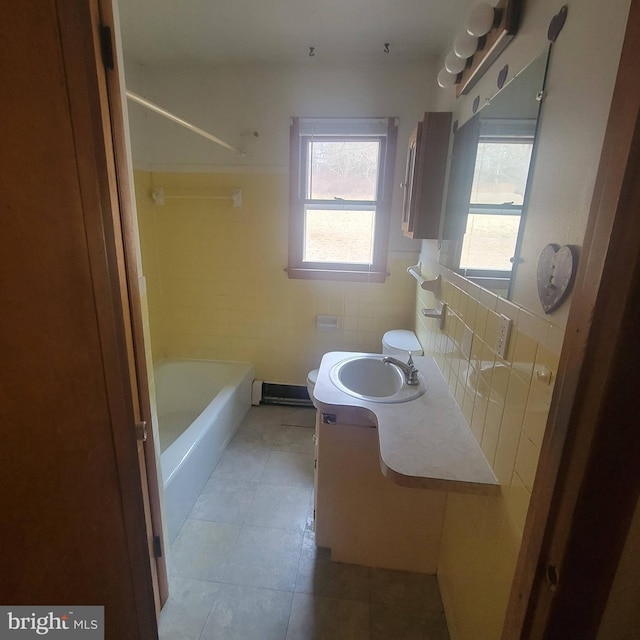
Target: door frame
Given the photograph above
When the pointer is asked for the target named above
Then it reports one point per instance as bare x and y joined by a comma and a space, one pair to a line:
587, 484
150, 476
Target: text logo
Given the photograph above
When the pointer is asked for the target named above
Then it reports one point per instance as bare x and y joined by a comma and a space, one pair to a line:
73, 622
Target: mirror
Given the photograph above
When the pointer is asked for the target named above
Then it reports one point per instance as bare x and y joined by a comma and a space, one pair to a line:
487, 194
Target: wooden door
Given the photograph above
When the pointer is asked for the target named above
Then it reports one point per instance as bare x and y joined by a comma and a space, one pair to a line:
113, 95
73, 524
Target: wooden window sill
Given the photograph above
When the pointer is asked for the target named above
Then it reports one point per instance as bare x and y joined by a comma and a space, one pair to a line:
337, 274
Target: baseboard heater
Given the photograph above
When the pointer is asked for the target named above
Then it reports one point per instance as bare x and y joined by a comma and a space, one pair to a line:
274, 393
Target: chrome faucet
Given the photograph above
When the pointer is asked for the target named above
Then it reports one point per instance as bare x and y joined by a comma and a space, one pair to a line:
409, 369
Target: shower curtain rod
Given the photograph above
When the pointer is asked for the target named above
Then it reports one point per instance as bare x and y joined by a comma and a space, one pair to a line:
163, 112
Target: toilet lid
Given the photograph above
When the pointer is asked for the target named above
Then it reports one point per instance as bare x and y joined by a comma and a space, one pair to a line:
312, 377
402, 339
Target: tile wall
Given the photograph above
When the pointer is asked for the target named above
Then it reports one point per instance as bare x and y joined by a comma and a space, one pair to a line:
217, 288
506, 402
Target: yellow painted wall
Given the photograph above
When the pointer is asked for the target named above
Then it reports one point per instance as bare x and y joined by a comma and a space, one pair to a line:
506, 403
217, 288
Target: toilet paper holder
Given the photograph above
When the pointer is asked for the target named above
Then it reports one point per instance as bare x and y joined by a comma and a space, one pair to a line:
437, 314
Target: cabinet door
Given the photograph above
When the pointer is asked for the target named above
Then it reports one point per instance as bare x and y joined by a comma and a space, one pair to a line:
425, 176
365, 518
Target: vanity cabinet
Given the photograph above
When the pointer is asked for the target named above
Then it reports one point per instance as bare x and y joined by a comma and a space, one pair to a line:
363, 517
425, 176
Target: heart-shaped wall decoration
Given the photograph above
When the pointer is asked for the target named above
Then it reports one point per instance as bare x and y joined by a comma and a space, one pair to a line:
556, 268
556, 24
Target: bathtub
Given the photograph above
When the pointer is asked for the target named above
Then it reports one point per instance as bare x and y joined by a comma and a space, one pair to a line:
200, 405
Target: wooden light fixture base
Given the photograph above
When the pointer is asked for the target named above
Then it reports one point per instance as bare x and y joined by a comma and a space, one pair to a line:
491, 45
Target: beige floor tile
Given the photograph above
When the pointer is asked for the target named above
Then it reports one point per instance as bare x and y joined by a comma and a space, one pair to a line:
224, 500
265, 557
285, 467
245, 613
202, 549
280, 507
316, 618
185, 612
413, 592
319, 576
294, 439
243, 461
391, 622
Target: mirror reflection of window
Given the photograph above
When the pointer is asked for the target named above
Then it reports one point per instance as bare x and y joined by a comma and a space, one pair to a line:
491, 163
497, 194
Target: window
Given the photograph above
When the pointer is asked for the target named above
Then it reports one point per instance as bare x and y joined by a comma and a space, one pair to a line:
341, 179
497, 196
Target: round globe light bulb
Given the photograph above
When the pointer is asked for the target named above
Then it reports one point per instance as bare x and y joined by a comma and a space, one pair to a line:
464, 46
480, 19
446, 79
453, 64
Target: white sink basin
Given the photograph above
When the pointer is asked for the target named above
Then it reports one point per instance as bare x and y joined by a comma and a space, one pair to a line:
369, 378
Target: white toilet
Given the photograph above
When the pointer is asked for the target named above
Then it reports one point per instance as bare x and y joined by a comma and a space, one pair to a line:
312, 378
397, 342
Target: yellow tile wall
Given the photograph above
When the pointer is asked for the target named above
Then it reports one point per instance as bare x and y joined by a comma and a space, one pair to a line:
506, 403
217, 286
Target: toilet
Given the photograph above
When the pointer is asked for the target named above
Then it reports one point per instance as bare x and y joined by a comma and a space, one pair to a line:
312, 378
397, 342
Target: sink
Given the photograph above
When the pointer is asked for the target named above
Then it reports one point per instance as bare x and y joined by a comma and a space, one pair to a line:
367, 377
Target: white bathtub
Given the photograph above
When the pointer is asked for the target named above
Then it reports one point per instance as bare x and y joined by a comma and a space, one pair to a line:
200, 405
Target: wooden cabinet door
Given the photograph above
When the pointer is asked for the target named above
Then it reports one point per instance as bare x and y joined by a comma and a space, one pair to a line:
425, 176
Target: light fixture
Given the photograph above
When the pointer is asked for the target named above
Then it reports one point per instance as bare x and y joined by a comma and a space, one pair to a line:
446, 79
464, 46
487, 30
480, 19
454, 64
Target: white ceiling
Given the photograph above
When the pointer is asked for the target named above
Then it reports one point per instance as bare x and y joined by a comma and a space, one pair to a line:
216, 31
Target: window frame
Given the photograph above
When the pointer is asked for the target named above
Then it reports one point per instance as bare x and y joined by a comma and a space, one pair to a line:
376, 270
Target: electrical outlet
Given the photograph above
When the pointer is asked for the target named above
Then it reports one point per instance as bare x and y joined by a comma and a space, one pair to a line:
504, 332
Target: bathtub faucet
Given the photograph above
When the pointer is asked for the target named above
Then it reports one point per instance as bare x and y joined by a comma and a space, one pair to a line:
409, 369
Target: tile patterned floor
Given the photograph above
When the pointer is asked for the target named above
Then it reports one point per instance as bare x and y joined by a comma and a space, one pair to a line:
245, 566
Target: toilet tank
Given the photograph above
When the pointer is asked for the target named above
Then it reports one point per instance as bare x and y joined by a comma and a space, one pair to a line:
399, 342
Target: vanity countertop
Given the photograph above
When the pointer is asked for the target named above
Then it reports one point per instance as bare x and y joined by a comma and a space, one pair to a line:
424, 443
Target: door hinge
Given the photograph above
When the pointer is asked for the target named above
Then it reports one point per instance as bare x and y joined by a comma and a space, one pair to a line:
106, 45
141, 431
157, 547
